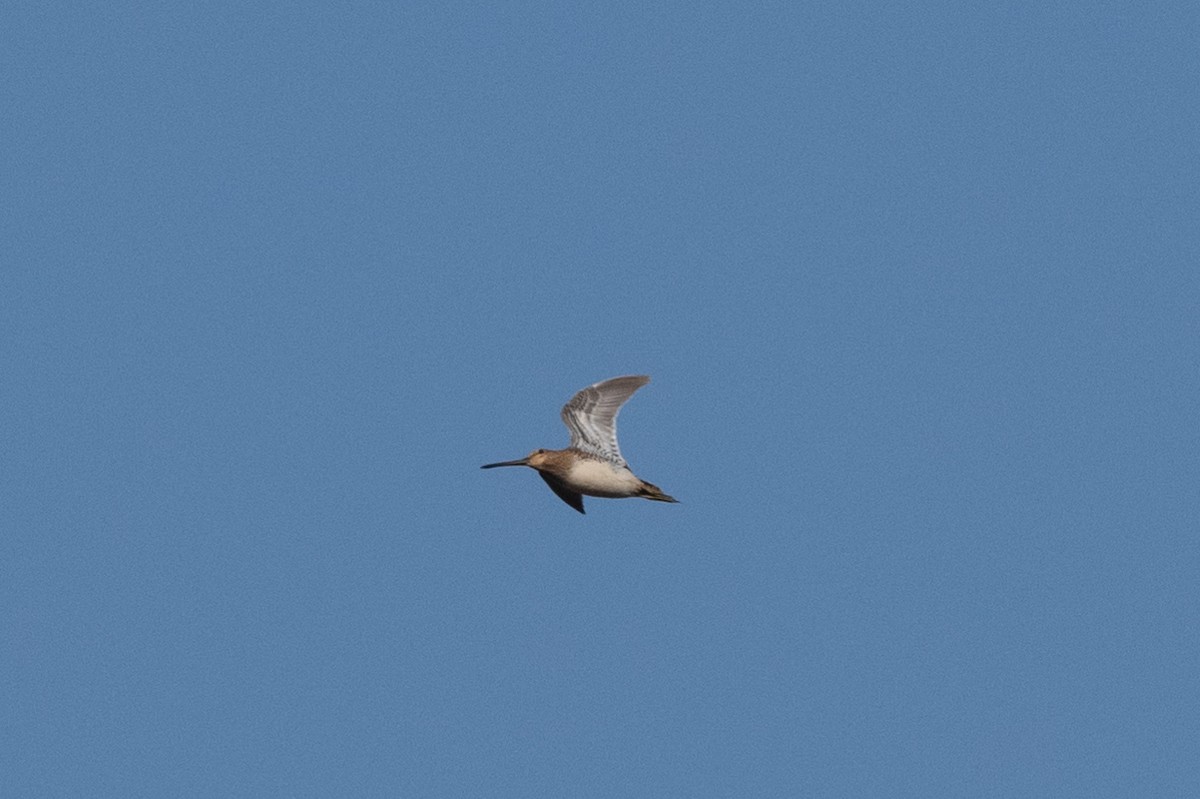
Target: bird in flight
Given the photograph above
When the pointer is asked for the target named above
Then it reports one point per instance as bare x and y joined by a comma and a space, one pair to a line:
592, 464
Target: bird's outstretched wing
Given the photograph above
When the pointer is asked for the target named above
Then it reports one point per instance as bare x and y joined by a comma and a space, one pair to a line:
591, 416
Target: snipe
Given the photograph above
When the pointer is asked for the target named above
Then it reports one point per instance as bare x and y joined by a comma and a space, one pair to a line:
592, 464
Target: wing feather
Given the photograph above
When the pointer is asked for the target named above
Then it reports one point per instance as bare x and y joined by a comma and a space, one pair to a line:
591, 416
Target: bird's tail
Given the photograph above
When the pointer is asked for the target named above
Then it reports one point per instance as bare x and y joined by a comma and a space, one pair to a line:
651, 491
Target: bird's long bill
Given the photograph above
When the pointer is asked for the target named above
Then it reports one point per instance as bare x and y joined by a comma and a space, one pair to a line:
521, 462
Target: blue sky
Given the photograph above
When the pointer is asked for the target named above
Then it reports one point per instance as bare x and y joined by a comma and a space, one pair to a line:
917, 286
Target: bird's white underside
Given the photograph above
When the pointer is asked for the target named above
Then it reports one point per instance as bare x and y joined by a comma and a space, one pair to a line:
602, 479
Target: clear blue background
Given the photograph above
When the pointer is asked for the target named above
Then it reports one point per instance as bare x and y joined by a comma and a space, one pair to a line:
918, 287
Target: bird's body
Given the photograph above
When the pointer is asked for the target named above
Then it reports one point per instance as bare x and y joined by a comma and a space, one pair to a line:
599, 478
592, 465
